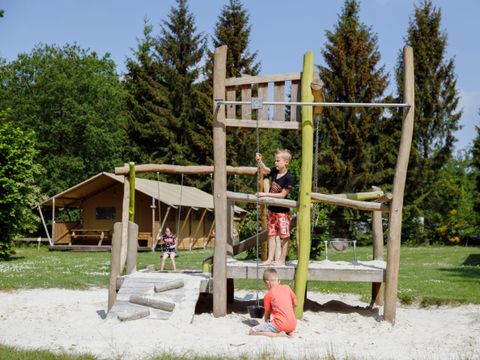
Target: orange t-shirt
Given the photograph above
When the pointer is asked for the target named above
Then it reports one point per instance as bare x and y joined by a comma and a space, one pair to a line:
279, 300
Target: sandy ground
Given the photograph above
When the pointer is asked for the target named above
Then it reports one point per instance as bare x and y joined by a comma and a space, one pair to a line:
340, 325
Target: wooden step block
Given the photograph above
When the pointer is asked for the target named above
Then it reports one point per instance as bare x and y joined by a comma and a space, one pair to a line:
133, 314
152, 302
168, 285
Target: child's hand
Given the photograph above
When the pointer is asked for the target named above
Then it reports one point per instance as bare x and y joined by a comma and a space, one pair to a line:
260, 194
258, 157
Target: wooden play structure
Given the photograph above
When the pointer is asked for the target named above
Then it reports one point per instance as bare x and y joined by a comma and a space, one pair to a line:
255, 112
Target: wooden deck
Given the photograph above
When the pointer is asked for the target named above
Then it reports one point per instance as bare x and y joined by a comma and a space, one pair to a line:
361, 271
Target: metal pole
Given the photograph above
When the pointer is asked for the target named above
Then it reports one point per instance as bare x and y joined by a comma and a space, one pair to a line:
325, 104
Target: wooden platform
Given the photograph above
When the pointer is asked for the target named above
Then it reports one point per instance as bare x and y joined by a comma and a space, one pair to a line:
361, 271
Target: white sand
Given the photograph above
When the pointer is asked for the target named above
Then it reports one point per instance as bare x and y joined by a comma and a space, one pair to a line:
73, 321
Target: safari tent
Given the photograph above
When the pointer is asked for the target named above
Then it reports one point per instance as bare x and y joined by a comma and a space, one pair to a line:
97, 204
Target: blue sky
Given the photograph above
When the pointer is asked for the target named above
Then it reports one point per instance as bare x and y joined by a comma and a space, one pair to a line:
282, 31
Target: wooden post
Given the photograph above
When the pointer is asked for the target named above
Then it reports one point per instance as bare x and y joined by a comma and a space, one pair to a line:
304, 215
131, 207
125, 203
377, 234
132, 247
53, 220
395, 218
114, 263
220, 185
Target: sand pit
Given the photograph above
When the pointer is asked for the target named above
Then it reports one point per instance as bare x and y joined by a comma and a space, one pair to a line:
74, 321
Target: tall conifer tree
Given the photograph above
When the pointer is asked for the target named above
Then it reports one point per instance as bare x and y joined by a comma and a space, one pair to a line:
150, 117
476, 165
350, 137
436, 115
180, 49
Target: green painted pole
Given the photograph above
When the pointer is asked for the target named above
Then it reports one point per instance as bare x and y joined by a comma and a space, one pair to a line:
306, 171
131, 205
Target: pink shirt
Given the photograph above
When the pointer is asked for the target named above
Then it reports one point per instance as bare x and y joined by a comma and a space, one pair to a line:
279, 301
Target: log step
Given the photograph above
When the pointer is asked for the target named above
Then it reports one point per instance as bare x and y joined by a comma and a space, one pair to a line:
169, 285
152, 302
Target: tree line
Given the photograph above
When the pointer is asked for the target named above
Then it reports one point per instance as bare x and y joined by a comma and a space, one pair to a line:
74, 115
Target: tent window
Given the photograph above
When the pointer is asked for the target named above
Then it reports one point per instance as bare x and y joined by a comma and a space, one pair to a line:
105, 213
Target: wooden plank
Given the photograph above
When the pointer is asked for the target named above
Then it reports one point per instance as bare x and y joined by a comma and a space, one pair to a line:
231, 108
247, 79
395, 218
246, 96
125, 204
279, 95
262, 94
317, 270
295, 111
263, 124
220, 186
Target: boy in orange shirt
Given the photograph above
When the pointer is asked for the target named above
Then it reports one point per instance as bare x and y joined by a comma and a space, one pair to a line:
279, 302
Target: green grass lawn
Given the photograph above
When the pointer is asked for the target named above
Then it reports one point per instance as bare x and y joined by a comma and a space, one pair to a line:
429, 275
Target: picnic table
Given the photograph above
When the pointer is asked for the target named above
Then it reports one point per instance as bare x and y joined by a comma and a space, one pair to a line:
95, 234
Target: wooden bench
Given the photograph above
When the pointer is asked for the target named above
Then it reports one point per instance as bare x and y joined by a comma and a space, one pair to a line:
90, 234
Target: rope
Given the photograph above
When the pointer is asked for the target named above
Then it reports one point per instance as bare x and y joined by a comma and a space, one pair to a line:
179, 208
257, 214
155, 241
315, 171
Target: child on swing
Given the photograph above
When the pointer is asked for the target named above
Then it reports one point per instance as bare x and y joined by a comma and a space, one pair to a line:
279, 302
278, 217
169, 243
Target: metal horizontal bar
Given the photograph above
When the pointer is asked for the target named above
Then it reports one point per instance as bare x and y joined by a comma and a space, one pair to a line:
325, 104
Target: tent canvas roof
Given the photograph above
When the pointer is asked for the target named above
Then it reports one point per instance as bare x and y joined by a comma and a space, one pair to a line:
170, 194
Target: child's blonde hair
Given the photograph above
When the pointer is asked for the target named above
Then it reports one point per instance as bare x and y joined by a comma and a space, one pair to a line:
285, 153
270, 274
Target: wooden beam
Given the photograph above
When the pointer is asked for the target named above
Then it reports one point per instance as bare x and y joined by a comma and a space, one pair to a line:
395, 218
178, 169
355, 204
264, 124
368, 195
45, 225
220, 185
377, 235
246, 79
250, 198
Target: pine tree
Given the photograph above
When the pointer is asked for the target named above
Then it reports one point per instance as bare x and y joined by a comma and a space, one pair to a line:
233, 29
436, 103
150, 117
351, 137
476, 165
180, 49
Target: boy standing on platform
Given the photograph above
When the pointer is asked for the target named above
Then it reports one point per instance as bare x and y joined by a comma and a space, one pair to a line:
278, 217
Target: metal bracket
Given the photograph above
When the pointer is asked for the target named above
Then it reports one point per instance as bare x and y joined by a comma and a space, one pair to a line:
257, 103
